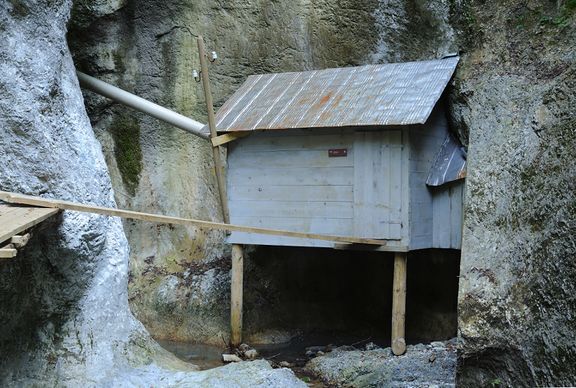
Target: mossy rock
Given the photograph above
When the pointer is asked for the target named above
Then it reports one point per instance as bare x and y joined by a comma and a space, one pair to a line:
19, 9
125, 131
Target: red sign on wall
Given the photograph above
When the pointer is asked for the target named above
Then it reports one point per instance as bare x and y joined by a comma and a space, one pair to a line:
337, 152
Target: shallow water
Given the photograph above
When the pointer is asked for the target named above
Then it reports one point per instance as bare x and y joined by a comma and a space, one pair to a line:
210, 356
205, 356
294, 352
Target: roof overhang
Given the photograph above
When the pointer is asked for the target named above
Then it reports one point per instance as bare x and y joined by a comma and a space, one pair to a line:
373, 95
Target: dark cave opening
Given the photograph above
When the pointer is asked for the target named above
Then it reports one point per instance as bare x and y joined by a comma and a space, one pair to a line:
344, 296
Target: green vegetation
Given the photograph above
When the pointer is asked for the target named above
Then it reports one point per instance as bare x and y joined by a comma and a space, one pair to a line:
118, 62
464, 18
547, 16
496, 382
125, 131
565, 13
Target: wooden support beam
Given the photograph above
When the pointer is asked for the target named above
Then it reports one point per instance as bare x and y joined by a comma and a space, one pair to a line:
399, 304
8, 253
212, 125
371, 248
65, 205
20, 241
236, 295
237, 254
228, 137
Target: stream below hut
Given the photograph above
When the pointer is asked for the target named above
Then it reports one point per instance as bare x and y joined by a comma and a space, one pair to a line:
294, 354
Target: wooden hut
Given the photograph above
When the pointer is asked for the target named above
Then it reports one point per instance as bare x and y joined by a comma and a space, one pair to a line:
360, 152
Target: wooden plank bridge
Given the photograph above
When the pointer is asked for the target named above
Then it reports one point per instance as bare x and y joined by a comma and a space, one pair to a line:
16, 219
52, 206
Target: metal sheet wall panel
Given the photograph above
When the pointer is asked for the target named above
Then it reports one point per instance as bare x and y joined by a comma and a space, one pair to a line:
450, 164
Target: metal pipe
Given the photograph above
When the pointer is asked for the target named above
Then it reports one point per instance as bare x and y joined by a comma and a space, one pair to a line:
142, 105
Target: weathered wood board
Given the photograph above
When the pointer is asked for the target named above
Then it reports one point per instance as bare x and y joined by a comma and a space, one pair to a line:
67, 205
447, 209
16, 219
289, 181
378, 188
435, 212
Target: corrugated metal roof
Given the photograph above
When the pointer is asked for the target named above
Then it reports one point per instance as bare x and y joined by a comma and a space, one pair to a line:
450, 164
373, 95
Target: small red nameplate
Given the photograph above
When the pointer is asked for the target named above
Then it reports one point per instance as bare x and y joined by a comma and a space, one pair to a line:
337, 152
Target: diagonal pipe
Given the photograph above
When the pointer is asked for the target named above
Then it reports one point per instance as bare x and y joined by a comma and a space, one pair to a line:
176, 119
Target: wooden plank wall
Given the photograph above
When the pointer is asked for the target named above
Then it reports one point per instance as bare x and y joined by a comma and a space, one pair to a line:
288, 180
425, 142
447, 209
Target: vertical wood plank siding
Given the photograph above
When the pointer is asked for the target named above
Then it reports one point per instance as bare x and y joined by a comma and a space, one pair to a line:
447, 207
435, 212
287, 179
377, 185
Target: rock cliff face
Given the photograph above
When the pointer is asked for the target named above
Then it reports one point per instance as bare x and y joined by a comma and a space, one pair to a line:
515, 92
65, 319
510, 102
180, 277
65, 315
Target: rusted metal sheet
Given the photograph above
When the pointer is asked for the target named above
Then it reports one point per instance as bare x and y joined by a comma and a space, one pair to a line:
450, 164
373, 95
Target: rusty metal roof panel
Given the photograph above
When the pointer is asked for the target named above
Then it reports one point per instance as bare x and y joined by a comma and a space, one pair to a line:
450, 163
373, 95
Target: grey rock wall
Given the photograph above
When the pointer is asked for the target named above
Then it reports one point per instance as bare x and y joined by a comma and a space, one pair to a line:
65, 315
65, 319
179, 282
515, 93
410, 30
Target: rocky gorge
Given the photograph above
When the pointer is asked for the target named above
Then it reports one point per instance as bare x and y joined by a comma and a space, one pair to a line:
70, 296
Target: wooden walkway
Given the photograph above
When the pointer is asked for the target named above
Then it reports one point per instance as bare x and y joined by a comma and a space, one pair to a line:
54, 204
15, 220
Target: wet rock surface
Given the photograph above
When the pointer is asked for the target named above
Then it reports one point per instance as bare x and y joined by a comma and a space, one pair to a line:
241, 374
513, 97
65, 319
421, 366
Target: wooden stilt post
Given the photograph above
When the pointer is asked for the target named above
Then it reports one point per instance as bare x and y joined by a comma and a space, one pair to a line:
237, 281
236, 295
399, 304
